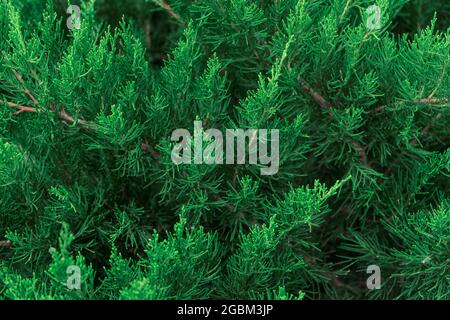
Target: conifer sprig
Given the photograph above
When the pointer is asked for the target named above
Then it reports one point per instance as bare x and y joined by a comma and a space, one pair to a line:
92, 205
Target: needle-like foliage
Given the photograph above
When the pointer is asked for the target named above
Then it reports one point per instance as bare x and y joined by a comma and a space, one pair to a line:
92, 206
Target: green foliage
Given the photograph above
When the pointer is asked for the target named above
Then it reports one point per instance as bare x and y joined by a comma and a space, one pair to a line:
182, 266
87, 182
52, 283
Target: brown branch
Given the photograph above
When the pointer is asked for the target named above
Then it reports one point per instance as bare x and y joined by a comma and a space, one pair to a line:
362, 151
314, 94
25, 89
148, 148
61, 114
5, 244
345, 10
426, 101
169, 9
321, 101
19, 107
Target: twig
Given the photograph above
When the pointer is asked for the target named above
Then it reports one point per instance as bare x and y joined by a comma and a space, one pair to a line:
5, 244
169, 9
314, 94
25, 89
362, 151
425, 101
19, 108
345, 10
148, 148
320, 100
63, 115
